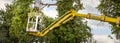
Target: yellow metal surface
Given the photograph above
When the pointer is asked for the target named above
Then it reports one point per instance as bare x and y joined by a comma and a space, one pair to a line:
102, 18
70, 15
66, 17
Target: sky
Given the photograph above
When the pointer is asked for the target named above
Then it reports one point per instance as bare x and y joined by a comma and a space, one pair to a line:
100, 30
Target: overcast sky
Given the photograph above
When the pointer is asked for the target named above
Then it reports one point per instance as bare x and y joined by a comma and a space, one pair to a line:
100, 30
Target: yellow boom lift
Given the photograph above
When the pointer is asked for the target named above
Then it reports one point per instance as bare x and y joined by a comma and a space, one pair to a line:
67, 17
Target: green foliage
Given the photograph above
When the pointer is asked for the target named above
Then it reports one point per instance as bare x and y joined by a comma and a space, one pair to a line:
47, 21
116, 31
15, 20
66, 5
73, 31
3, 29
111, 8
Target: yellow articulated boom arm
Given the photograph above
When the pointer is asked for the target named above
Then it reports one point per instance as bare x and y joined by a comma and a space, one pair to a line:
70, 15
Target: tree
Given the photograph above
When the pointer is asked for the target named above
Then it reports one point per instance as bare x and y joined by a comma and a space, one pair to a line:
13, 29
111, 8
3, 29
15, 20
74, 31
